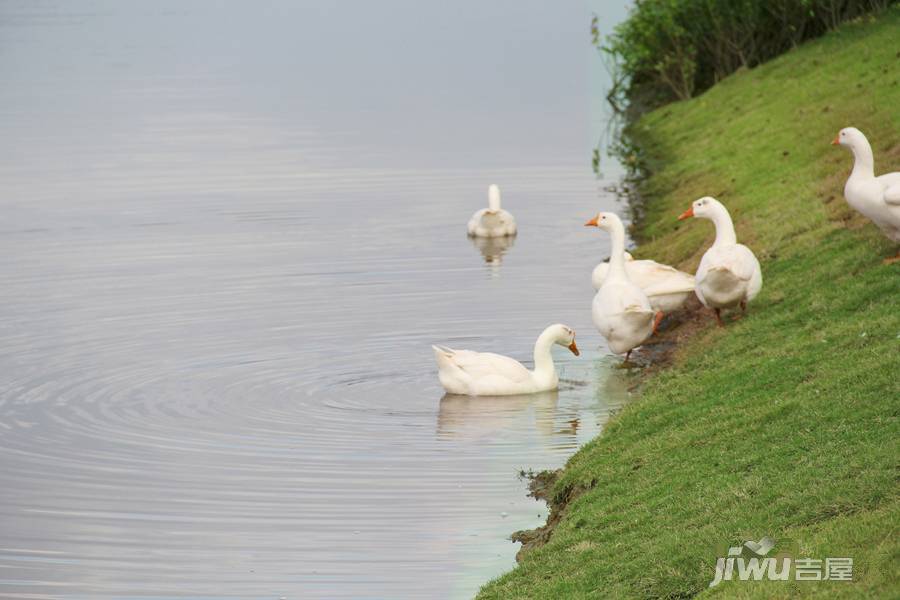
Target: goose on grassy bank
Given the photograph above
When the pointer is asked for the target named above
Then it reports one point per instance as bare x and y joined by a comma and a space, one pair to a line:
877, 198
487, 374
666, 287
621, 310
729, 274
492, 221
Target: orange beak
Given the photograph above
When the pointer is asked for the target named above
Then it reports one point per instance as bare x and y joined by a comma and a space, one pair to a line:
574, 348
593, 222
688, 213
836, 140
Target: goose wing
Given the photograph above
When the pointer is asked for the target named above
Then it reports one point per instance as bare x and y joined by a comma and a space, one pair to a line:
892, 191
892, 195
487, 364
663, 279
891, 183
738, 259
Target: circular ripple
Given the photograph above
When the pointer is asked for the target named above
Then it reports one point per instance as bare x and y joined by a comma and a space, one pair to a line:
258, 411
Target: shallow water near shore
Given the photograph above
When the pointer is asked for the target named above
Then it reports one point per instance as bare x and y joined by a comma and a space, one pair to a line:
221, 270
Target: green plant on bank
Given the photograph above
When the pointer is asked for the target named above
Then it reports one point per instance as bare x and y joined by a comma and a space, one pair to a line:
672, 49
783, 423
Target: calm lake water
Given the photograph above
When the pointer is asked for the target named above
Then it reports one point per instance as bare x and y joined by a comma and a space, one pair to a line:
229, 234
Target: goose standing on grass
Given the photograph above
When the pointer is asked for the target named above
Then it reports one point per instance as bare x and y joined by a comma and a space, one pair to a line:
666, 287
729, 274
493, 221
878, 198
487, 374
621, 310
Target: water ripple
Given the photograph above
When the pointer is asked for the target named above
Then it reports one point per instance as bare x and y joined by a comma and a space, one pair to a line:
216, 375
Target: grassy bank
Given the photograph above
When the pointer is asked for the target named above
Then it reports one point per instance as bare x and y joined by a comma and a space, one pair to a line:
785, 423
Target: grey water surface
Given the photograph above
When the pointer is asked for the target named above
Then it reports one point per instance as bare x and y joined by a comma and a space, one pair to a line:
229, 234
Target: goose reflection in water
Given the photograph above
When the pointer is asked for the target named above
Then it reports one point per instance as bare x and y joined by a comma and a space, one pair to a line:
495, 417
493, 249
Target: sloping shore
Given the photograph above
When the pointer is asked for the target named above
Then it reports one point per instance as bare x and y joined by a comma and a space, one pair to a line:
784, 423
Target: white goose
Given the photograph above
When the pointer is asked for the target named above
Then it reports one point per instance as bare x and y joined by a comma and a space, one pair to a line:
666, 287
878, 198
492, 221
729, 274
487, 374
621, 310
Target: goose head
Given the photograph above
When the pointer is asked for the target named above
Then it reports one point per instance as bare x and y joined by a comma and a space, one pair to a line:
703, 208
564, 336
850, 137
606, 221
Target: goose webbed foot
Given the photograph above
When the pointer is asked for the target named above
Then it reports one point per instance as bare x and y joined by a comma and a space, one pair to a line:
627, 364
719, 320
656, 321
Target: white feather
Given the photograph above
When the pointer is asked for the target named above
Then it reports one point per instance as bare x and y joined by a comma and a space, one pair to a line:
492, 221
666, 287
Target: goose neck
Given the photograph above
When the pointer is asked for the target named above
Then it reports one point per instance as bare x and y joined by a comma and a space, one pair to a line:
494, 199
617, 251
863, 159
725, 234
543, 359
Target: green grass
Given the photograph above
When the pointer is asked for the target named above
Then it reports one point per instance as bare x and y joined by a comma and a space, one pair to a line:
784, 423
